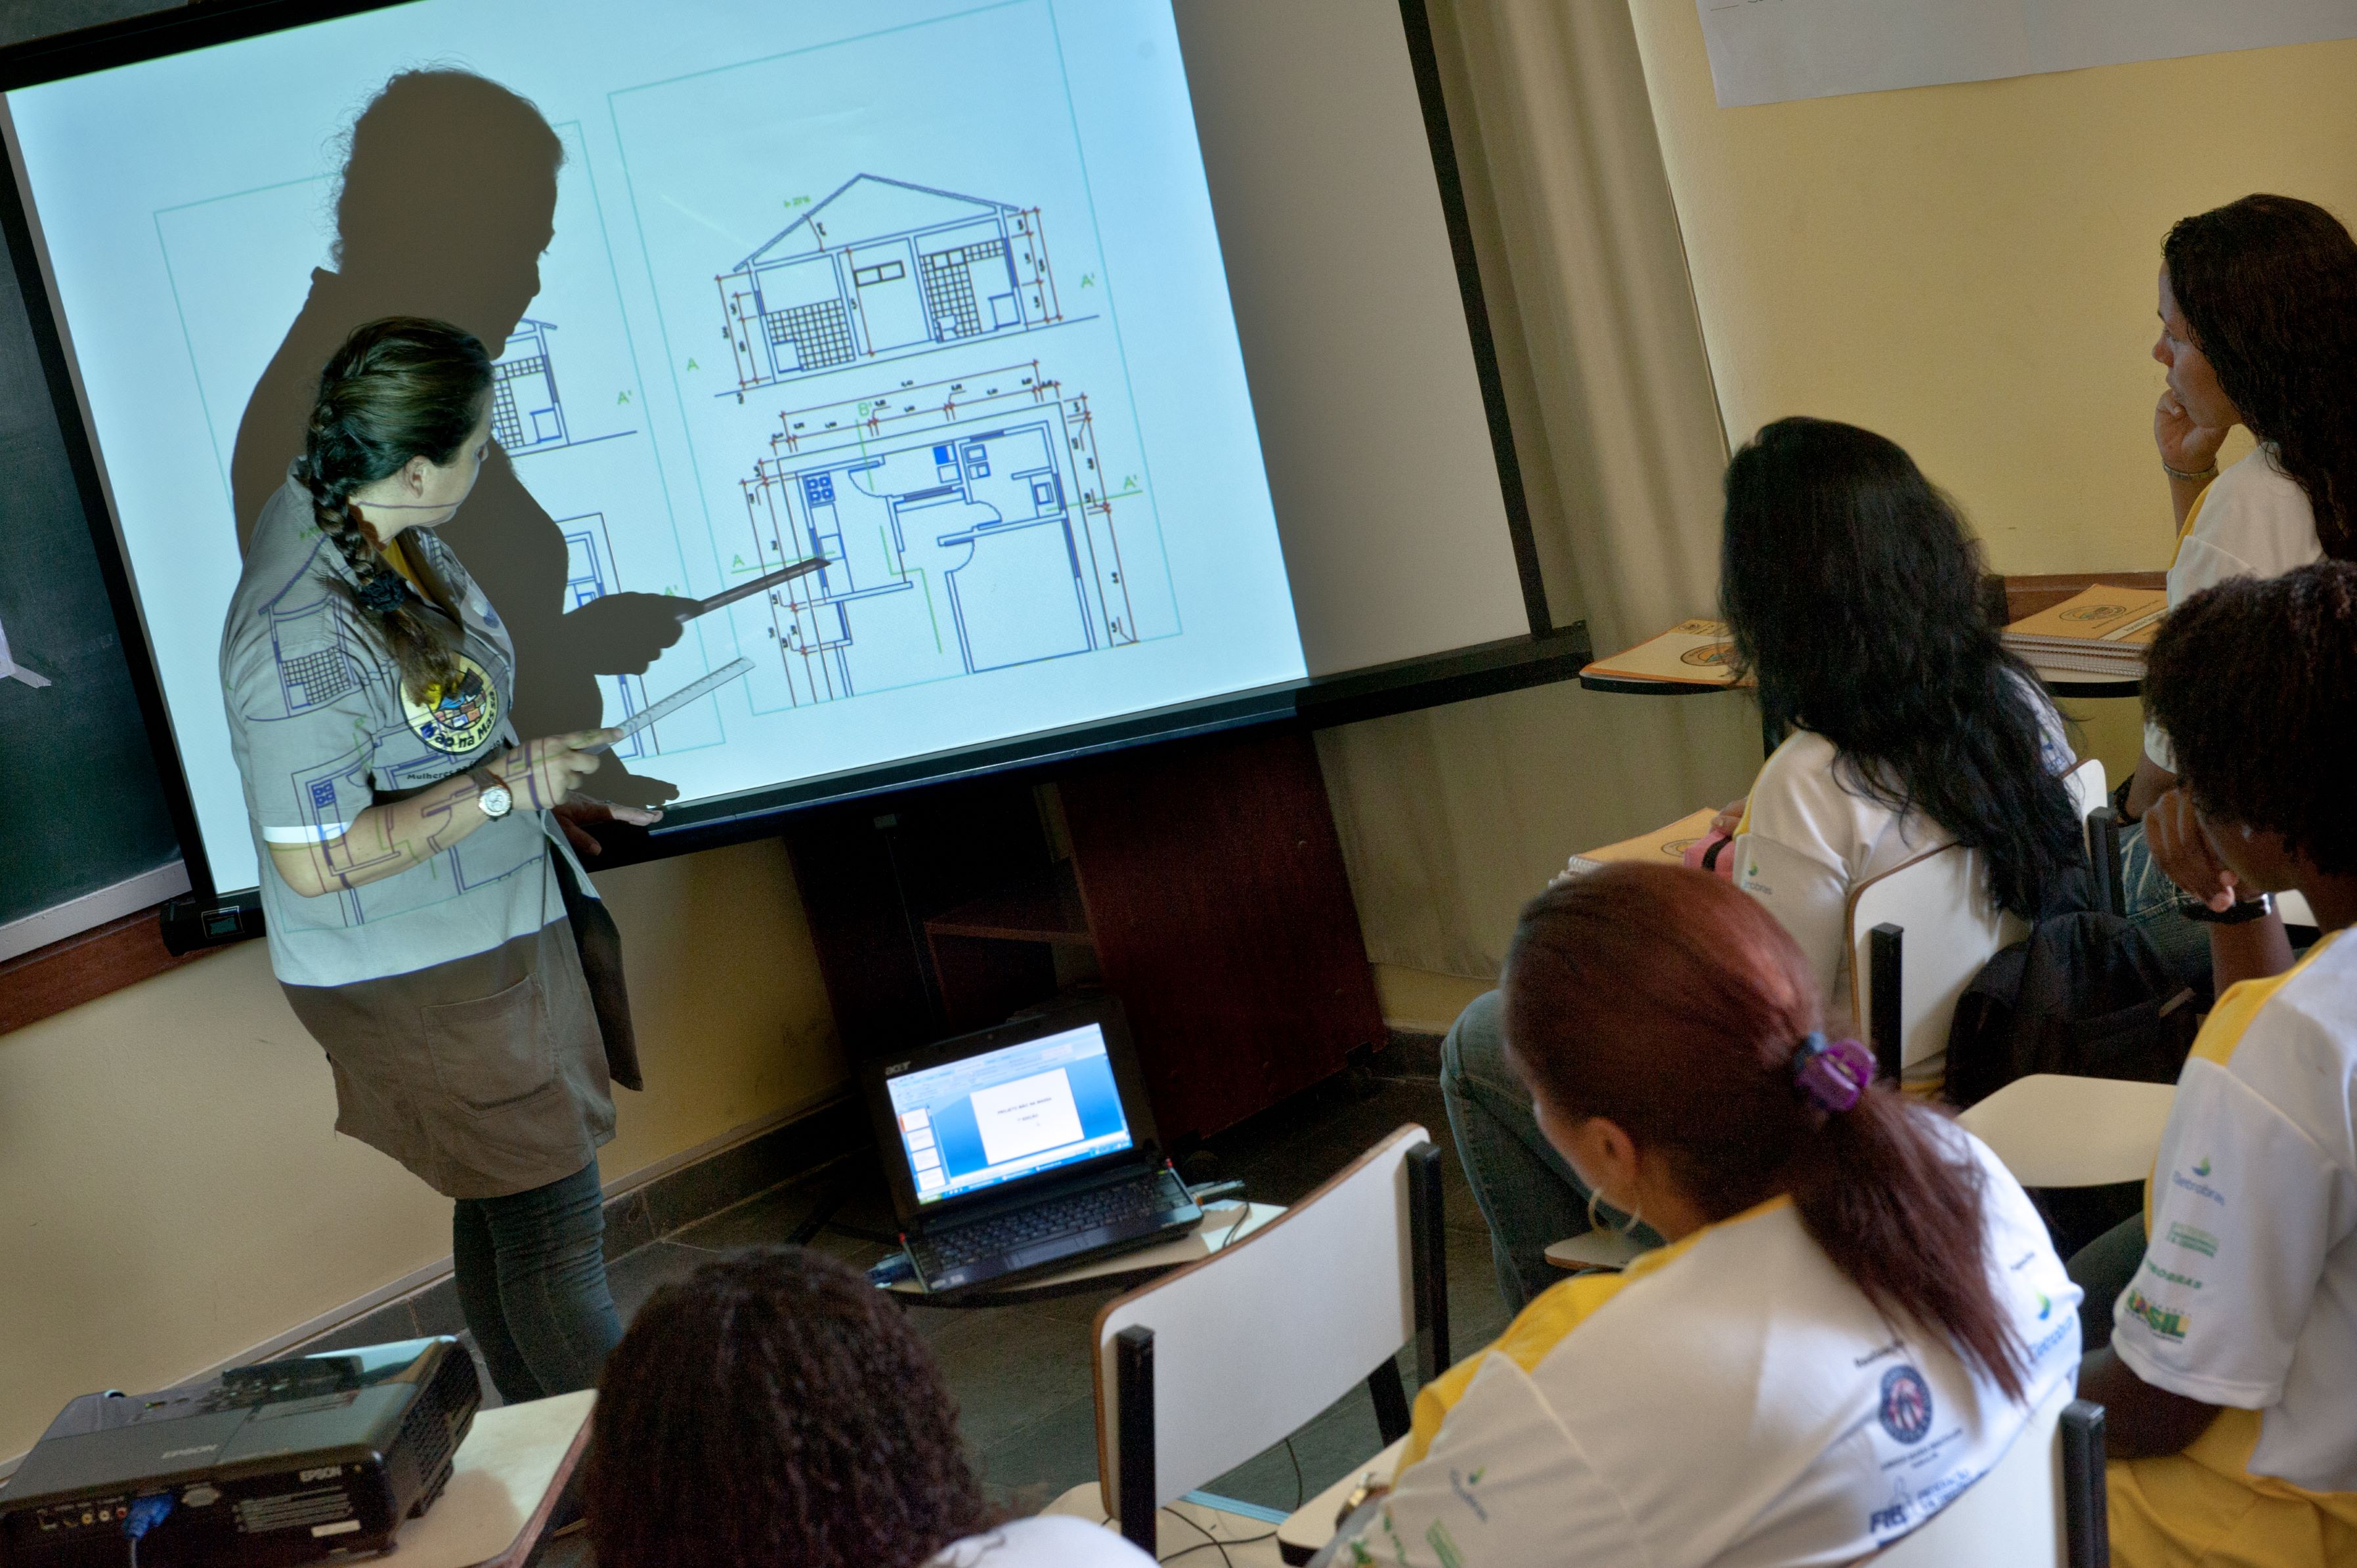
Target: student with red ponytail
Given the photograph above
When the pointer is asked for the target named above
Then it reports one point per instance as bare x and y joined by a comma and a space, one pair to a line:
1857, 1310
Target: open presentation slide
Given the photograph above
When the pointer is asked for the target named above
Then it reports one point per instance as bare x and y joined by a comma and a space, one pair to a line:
984, 1120
927, 290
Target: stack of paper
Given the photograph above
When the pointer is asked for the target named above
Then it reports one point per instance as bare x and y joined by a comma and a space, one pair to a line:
2103, 631
1694, 652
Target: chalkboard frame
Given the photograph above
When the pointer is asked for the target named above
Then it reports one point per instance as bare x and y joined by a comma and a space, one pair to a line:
1548, 655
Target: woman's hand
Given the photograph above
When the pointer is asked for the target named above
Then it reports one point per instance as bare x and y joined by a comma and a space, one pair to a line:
1729, 819
543, 773
2187, 447
2182, 851
575, 815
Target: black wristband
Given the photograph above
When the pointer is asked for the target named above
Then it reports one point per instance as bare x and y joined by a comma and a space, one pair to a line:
2239, 914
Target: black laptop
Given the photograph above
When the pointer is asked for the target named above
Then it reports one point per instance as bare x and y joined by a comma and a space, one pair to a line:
1024, 1148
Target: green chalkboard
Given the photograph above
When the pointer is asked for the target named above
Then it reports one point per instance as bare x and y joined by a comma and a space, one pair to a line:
81, 808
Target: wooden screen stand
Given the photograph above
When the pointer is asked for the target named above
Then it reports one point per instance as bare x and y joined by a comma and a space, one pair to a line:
1203, 885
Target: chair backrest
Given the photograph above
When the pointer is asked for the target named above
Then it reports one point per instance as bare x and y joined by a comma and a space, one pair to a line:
2090, 786
1918, 934
1245, 1346
2041, 1504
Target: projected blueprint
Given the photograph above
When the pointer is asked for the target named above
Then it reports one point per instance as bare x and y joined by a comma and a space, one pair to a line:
957, 545
880, 269
930, 289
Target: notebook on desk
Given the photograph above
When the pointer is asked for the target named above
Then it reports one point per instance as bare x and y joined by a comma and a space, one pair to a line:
1662, 847
1692, 654
1024, 1148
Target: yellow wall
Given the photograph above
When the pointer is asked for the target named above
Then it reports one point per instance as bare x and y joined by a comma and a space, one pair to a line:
171, 1193
1970, 269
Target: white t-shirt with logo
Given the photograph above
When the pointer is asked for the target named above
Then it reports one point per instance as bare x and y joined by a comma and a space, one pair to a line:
1056, 1540
1806, 801
2248, 1294
1732, 1399
2254, 520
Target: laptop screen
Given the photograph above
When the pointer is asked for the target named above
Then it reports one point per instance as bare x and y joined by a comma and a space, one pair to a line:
1010, 1112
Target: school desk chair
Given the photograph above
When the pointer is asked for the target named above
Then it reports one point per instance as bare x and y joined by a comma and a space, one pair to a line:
2041, 1504
1202, 1368
2057, 1130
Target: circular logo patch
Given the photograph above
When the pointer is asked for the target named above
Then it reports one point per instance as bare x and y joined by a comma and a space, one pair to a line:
458, 718
1710, 656
1906, 1404
2096, 612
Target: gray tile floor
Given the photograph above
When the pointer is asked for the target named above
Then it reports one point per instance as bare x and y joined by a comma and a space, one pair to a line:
1021, 1373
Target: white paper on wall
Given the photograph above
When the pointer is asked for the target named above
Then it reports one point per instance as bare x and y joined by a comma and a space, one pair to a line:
1766, 51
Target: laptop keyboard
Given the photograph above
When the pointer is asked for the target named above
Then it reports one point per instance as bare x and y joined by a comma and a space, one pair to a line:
941, 1252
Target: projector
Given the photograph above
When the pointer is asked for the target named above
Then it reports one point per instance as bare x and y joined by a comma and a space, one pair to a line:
282, 1462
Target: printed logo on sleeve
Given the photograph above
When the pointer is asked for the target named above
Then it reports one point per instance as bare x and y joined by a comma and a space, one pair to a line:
2188, 1280
2165, 1321
1906, 1404
2198, 1184
2192, 1240
458, 718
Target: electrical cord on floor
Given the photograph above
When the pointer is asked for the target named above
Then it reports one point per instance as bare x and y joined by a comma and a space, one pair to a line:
1299, 1496
141, 1517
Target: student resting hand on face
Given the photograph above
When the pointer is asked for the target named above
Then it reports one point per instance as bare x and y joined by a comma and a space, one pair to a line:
2258, 327
2230, 1383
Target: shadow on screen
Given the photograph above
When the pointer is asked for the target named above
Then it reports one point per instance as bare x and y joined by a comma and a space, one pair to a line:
448, 200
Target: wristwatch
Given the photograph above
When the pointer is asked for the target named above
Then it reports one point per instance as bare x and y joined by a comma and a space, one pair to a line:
495, 799
2239, 914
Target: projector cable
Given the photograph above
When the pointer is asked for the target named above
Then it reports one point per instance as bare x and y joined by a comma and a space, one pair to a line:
143, 1516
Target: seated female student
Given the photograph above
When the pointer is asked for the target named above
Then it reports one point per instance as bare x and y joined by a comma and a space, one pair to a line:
1856, 1313
2230, 1384
774, 1410
1853, 596
2258, 327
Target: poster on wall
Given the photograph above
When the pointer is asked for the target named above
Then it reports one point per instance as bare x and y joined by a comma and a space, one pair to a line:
1768, 52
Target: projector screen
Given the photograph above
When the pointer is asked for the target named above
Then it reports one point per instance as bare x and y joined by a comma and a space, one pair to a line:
931, 291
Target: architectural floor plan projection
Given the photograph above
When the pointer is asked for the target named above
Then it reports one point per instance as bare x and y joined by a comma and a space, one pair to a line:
928, 290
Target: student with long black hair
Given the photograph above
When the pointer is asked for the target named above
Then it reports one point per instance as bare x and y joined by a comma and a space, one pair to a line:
2258, 327
1855, 1311
1853, 596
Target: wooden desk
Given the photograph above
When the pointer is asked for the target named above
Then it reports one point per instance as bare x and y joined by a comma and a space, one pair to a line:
504, 1484
1223, 1223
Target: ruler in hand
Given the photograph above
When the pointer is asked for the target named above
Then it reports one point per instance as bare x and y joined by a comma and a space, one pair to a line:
747, 590
729, 671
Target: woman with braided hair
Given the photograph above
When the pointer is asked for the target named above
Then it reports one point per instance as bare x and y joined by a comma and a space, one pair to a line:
425, 916
1856, 1313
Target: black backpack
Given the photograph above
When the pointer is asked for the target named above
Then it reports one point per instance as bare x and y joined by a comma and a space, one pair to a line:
2085, 993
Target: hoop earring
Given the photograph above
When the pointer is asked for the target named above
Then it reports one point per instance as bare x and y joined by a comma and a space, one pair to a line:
1595, 1221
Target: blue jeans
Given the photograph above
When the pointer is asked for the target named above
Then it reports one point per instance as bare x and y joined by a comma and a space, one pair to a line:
1526, 1191
2151, 900
532, 1280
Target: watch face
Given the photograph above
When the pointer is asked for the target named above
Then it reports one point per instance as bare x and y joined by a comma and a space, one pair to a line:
495, 802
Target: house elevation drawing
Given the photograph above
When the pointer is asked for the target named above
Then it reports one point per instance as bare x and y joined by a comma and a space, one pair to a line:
881, 269
588, 575
966, 526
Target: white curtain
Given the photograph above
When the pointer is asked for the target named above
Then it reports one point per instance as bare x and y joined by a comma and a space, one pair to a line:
1451, 817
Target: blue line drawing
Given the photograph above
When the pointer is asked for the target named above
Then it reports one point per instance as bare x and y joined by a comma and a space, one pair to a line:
882, 269
526, 414
966, 529
589, 564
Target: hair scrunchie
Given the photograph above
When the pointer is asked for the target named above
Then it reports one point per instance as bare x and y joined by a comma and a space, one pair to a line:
383, 592
1833, 1075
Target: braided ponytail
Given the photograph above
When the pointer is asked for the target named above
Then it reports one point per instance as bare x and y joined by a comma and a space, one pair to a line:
398, 389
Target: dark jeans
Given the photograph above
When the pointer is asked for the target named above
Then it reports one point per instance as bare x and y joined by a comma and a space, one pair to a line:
532, 1280
1525, 1190
2103, 1268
